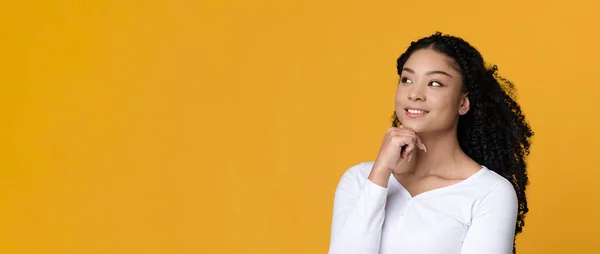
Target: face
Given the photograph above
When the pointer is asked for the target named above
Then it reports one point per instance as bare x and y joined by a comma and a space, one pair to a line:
430, 95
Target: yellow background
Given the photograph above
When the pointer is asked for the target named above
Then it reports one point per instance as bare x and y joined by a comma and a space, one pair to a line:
224, 126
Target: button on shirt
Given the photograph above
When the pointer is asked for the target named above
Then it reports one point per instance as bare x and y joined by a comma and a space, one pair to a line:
476, 215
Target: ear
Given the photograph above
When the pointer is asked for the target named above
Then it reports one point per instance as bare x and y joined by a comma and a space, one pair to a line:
465, 104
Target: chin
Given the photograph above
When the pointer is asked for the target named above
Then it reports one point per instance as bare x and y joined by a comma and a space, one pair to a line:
416, 127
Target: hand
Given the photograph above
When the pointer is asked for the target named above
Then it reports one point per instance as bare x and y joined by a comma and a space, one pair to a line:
398, 144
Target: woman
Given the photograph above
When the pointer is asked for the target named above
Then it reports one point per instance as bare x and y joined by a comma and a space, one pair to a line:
450, 175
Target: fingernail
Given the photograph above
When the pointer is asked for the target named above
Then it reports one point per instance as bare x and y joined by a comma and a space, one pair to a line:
409, 157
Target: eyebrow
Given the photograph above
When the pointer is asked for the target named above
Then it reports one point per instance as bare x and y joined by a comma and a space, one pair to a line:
409, 70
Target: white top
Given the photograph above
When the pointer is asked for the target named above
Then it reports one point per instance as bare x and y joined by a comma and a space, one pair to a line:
477, 215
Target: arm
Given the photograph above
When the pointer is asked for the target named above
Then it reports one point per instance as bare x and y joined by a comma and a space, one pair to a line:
492, 230
358, 215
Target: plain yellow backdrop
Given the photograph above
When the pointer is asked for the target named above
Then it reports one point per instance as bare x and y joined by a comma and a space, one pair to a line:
224, 126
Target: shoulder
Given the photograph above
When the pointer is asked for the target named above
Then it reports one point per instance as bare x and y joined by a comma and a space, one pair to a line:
495, 189
356, 174
491, 181
359, 170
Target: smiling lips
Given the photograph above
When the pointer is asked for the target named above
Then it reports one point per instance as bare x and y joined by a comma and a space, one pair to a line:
415, 113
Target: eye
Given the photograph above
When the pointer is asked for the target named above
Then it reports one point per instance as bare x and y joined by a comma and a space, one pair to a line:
436, 84
405, 81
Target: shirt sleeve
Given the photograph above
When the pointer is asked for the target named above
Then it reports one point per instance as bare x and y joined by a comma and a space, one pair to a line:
492, 229
358, 214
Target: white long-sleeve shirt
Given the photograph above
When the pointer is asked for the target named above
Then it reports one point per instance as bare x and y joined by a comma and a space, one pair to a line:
475, 216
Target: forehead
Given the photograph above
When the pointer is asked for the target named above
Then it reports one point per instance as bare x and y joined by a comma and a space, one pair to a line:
429, 59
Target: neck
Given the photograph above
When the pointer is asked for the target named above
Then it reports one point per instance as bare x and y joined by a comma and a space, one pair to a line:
444, 156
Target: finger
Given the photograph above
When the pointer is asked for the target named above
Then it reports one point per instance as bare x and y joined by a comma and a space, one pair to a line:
421, 144
417, 140
408, 149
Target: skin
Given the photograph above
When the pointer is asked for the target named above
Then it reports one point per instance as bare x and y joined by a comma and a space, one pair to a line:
424, 154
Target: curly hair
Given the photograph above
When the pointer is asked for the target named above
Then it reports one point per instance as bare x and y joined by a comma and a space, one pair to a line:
494, 131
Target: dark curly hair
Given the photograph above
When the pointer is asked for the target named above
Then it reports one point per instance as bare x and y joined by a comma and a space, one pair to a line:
494, 131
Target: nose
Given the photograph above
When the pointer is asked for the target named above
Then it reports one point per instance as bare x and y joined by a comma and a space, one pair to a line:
417, 92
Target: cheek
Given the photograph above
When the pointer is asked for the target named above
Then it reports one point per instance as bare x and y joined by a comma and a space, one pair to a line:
398, 97
446, 106
447, 100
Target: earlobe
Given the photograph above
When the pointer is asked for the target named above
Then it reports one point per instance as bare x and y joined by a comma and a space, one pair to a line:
465, 105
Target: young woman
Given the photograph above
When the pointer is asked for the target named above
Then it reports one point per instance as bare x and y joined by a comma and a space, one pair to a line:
450, 175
